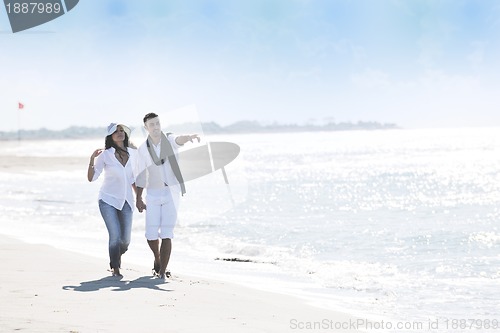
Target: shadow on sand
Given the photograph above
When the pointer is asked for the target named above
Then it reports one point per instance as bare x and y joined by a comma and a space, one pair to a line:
119, 284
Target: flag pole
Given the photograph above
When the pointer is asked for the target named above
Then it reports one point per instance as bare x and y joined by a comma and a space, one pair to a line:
20, 106
18, 124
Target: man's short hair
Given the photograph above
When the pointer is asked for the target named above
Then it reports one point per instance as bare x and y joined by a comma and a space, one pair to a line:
150, 115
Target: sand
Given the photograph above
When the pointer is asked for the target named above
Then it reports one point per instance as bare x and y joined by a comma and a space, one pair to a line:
43, 289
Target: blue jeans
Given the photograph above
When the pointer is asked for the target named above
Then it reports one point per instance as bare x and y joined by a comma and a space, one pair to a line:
119, 225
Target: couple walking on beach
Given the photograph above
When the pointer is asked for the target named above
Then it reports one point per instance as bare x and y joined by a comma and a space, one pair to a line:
154, 167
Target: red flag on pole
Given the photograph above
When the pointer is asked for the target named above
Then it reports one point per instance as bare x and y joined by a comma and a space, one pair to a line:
20, 105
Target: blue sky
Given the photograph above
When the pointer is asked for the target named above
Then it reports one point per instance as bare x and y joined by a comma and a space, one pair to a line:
416, 63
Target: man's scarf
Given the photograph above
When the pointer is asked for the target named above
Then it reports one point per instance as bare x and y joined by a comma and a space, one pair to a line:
166, 151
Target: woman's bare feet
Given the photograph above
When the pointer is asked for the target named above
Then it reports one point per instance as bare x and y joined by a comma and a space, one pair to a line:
116, 272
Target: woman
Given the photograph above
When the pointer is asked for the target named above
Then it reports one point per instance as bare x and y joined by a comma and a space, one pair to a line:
116, 201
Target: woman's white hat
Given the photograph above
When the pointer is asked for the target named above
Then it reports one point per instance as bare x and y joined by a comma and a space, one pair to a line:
112, 128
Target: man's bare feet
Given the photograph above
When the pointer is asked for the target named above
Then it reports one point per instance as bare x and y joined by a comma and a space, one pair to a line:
156, 268
165, 276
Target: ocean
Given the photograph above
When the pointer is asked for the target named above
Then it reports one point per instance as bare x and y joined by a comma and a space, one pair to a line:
396, 224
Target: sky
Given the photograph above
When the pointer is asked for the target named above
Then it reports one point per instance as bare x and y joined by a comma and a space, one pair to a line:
415, 63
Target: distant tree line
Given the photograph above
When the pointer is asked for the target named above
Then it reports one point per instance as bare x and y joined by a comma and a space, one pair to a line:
79, 132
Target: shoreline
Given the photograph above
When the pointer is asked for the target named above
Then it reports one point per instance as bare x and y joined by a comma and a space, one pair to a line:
47, 289
136, 275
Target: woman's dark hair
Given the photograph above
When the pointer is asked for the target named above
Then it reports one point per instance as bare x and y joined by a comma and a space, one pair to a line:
108, 143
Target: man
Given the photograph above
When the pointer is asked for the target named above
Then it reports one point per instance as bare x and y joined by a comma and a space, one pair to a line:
158, 172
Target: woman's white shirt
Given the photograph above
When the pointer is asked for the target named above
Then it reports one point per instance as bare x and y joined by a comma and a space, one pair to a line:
118, 179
